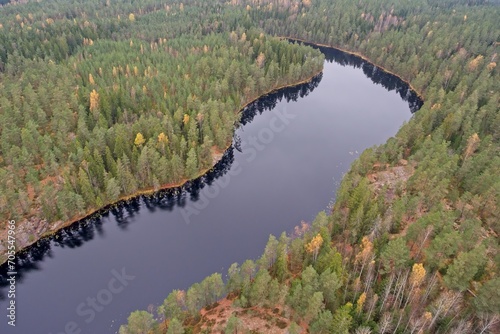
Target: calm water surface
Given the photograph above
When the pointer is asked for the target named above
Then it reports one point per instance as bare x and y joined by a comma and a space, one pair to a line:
286, 162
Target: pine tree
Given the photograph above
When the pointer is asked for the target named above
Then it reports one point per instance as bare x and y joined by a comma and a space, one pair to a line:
175, 327
258, 294
192, 164
112, 189
138, 322
342, 319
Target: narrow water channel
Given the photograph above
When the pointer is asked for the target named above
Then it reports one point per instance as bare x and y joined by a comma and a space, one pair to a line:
288, 157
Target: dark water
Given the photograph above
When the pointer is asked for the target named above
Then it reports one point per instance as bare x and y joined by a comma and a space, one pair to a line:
286, 162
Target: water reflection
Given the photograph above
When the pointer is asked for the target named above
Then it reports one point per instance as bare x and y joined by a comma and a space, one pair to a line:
83, 231
270, 101
377, 75
166, 200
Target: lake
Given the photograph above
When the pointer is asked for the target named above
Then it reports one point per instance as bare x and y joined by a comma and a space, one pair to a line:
288, 157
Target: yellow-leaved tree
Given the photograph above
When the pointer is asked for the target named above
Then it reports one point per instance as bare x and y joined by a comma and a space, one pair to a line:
94, 100
162, 141
360, 302
417, 277
185, 120
162, 138
139, 139
417, 274
314, 246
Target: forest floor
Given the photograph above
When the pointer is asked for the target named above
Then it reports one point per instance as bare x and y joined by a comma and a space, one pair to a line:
390, 178
254, 319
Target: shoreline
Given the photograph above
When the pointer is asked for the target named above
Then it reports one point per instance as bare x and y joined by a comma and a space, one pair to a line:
151, 190
354, 53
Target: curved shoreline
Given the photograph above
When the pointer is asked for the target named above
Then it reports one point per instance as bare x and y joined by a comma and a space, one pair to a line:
354, 53
151, 190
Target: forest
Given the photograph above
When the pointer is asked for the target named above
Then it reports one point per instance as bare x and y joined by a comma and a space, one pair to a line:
99, 107
94, 111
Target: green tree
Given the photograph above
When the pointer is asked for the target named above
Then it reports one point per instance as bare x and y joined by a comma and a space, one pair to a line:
297, 251
234, 325
247, 273
323, 323
280, 267
191, 163
174, 305
487, 300
234, 282
342, 319
139, 322
294, 328
329, 283
195, 298
259, 291
213, 287
395, 255
462, 271
270, 253
86, 189
112, 189
175, 327
315, 306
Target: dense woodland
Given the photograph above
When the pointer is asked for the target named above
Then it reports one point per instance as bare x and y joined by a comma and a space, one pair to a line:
95, 109
412, 242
